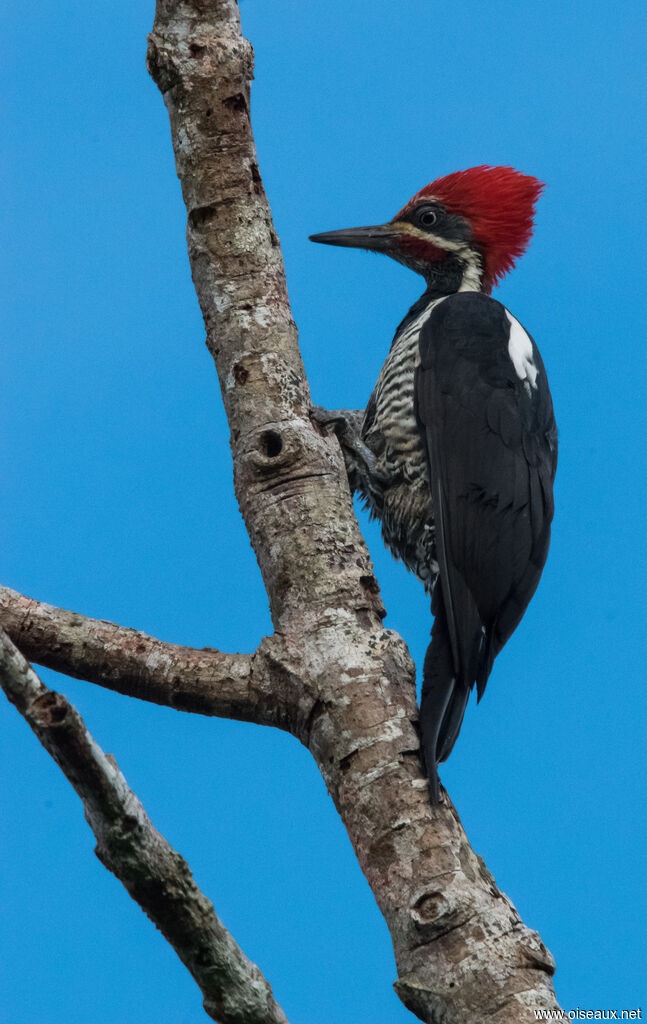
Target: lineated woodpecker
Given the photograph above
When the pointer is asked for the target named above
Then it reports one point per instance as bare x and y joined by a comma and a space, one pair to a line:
456, 451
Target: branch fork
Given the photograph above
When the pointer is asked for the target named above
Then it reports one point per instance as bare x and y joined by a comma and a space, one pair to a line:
330, 674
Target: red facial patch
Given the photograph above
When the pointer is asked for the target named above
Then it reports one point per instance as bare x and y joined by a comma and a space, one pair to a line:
499, 204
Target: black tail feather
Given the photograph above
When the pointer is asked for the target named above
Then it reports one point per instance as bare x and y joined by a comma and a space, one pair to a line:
488, 651
437, 699
444, 696
452, 721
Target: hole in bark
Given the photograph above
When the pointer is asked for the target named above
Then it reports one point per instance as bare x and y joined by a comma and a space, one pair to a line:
196, 49
240, 374
369, 584
271, 444
51, 708
201, 215
237, 103
347, 761
429, 907
257, 181
208, 112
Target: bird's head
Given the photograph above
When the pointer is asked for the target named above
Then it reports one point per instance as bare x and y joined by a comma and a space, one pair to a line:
462, 232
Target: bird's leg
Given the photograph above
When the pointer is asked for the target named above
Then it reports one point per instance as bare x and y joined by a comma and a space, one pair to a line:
347, 423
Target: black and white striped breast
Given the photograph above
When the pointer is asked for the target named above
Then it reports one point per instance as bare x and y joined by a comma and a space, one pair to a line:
399, 493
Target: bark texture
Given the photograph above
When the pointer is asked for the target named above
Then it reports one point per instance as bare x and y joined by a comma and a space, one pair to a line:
331, 674
155, 875
462, 952
206, 682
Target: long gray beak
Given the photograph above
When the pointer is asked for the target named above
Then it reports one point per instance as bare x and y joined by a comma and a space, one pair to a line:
377, 237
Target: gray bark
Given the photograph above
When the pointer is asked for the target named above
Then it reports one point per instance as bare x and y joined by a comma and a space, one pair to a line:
157, 878
332, 675
206, 682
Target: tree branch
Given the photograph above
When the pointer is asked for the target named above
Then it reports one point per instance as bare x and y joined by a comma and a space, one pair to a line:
207, 682
330, 674
154, 874
461, 950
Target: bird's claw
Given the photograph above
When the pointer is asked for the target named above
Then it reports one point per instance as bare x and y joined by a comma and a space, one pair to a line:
335, 418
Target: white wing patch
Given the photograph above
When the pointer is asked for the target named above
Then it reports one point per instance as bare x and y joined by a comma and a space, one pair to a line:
520, 352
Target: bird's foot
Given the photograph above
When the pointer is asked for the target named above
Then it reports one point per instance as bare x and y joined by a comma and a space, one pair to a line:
362, 468
346, 423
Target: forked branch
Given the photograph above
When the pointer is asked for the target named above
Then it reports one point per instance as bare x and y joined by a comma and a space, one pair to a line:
155, 875
462, 952
331, 673
207, 682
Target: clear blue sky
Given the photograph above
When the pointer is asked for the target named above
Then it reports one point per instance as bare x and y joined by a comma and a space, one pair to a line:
118, 496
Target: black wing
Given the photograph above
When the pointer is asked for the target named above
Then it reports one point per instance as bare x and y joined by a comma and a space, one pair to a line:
492, 449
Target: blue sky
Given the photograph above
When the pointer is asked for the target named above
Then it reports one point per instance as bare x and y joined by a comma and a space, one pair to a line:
119, 502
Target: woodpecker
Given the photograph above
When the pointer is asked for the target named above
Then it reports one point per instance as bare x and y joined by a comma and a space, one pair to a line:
456, 451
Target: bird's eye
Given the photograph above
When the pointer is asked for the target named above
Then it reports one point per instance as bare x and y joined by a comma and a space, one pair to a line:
427, 218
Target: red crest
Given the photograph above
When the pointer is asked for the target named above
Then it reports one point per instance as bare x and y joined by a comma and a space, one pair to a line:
499, 203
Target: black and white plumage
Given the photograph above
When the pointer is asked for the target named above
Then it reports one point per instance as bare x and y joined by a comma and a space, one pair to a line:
484, 406
457, 449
